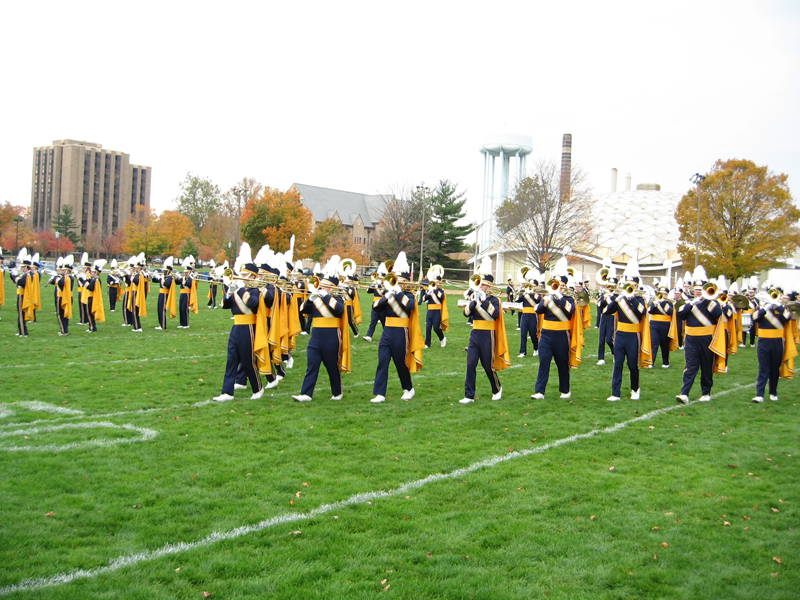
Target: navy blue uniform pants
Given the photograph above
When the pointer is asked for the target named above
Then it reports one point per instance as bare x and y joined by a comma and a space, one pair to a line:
528, 326
626, 347
112, 298
240, 353
392, 348
606, 336
553, 345
323, 349
183, 309
162, 310
480, 348
770, 357
698, 358
659, 338
433, 322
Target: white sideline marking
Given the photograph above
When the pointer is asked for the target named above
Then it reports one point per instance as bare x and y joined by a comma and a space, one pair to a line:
214, 537
107, 362
147, 434
5, 412
44, 406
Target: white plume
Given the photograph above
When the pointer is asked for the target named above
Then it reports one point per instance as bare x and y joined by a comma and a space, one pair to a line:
298, 266
245, 254
330, 267
99, 264
262, 256
169, 262
631, 269
84, 258
734, 289
560, 268
401, 264
486, 266
721, 283
699, 276
754, 282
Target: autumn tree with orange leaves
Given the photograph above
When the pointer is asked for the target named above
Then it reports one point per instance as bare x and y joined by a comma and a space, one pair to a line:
273, 217
176, 227
748, 221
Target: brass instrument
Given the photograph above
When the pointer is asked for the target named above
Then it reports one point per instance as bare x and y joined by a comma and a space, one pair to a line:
601, 277
582, 298
722, 297
739, 301
775, 294
710, 290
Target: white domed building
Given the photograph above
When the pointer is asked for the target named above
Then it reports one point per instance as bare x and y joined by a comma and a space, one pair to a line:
626, 223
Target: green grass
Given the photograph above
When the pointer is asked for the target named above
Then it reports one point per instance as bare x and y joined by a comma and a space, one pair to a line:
560, 523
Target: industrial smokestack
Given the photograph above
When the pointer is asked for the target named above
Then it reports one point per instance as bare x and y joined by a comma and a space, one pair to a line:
566, 166
613, 180
627, 182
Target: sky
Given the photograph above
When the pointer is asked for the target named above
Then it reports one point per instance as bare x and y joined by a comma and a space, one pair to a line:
369, 96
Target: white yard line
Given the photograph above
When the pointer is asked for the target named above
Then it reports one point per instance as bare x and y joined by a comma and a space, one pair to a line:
215, 537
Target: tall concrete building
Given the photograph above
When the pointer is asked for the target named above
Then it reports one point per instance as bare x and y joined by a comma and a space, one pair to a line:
101, 186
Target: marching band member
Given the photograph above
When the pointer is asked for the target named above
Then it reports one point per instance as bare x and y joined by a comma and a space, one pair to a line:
585, 310
348, 277
401, 340
212, 285
777, 344
126, 280
188, 292
511, 296
64, 285
24, 285
529, 320
94, 296
663, 326
36, 278
631, 313
703, 338
83, 279
269, 333
437, 318
300, 294
606, 320
137, 300
113, 283
750, 310
166, 295
728, 323
244, 305
376, 289
687, 294
54, 281
330, 340
488, 343
562, 335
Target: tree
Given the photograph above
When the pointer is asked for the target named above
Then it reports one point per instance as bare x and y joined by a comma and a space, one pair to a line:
542, 223
7, 213
273, 217
442, 236
176, 227
93, 242
199, 199
328, 233
112, 244
400, 223
189, 247
748, 221
66, 224
142, 233
218, 231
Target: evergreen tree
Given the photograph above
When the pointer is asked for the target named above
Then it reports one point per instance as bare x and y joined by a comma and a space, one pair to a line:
66, 224
442, 235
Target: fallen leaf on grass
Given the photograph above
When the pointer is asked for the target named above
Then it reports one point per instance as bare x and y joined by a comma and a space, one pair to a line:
655, 556
207, 594
654, 528
611, 468
777, 560
387, 587
297, 533
775, 510
726, 523
50, 514
665, 544
305, 483
652, 427
430, 554
733, 466
137, 506
591, 518
383, 582
297, 494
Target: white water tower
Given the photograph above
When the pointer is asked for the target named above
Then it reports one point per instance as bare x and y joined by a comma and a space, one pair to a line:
504, 146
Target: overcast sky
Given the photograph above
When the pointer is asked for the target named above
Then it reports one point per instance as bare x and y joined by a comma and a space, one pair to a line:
364, 96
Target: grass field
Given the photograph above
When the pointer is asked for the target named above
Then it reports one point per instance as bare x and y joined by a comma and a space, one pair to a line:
121, 479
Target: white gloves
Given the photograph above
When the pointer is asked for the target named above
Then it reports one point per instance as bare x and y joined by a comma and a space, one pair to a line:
558, 295
480, 295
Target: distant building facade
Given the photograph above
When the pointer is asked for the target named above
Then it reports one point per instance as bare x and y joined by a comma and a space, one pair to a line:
101, 186
359, 213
